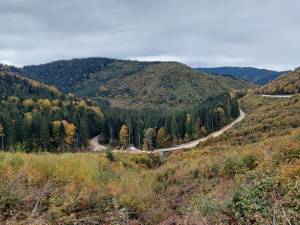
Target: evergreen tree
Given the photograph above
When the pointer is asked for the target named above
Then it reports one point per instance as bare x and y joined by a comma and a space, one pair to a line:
174, 127
25, 130
220, 117
61, 136
44, 133
234, 108
188, 125
83, 133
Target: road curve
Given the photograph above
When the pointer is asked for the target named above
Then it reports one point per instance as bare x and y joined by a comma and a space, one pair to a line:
194, 143
95, 146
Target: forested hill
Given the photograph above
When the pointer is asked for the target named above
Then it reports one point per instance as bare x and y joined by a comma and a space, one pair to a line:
233, 83
131, 84
37, 117
286, 84
15, 85
255, 75
66, 74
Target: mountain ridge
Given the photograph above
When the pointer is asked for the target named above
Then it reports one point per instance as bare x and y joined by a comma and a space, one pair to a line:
256, 75
286, 84
131, 83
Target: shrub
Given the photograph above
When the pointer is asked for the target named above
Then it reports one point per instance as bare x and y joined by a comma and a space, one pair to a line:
230, 167
151, 161
253, 199
110, 156
290, 154
8, 206
248, 162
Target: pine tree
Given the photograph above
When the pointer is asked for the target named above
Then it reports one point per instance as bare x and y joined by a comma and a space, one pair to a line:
174, 127
25, 130
188, 125
234, 108
9, 134
61, 136
220, 117
83, 133
44, 133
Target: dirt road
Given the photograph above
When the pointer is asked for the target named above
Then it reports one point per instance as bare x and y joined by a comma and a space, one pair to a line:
95, 146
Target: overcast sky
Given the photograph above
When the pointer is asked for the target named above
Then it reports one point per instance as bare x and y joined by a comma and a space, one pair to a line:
260, 33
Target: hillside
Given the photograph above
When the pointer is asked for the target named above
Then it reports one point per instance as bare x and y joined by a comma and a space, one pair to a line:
250, 175
13, 84
233, 83
205, 111
255, 75
130, 84
286, 84
37, 117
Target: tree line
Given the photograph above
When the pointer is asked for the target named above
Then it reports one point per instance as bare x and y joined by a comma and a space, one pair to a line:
156, 128
47, 124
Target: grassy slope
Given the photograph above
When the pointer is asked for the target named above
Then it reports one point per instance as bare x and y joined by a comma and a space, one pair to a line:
131, 83
285, 84
252, 180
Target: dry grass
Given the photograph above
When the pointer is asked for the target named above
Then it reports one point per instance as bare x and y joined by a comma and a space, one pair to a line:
201, 186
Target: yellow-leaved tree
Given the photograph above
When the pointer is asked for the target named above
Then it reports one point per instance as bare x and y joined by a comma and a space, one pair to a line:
162, 138
124, 136
69, 129
44, 103
70, 132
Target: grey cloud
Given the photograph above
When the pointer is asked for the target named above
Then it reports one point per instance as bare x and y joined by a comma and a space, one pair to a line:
196, 32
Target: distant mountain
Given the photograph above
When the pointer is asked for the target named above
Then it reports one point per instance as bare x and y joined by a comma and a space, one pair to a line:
288, 83
255, 75
130, 84
234, 83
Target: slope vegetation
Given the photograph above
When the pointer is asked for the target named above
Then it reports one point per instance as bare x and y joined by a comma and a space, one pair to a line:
130, 84
12, 84
37, 117
286, 84
233, 83
249, 175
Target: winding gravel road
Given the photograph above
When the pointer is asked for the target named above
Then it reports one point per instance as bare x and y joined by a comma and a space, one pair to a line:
277, 96
95, 146
193, 144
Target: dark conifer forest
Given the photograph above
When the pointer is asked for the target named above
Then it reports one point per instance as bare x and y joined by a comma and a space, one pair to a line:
38, 117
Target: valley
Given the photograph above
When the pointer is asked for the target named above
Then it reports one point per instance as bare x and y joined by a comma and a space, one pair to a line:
130, 112
259, 153
220, 159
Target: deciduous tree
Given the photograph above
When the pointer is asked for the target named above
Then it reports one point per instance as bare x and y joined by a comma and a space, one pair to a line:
123, 135
162, 138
